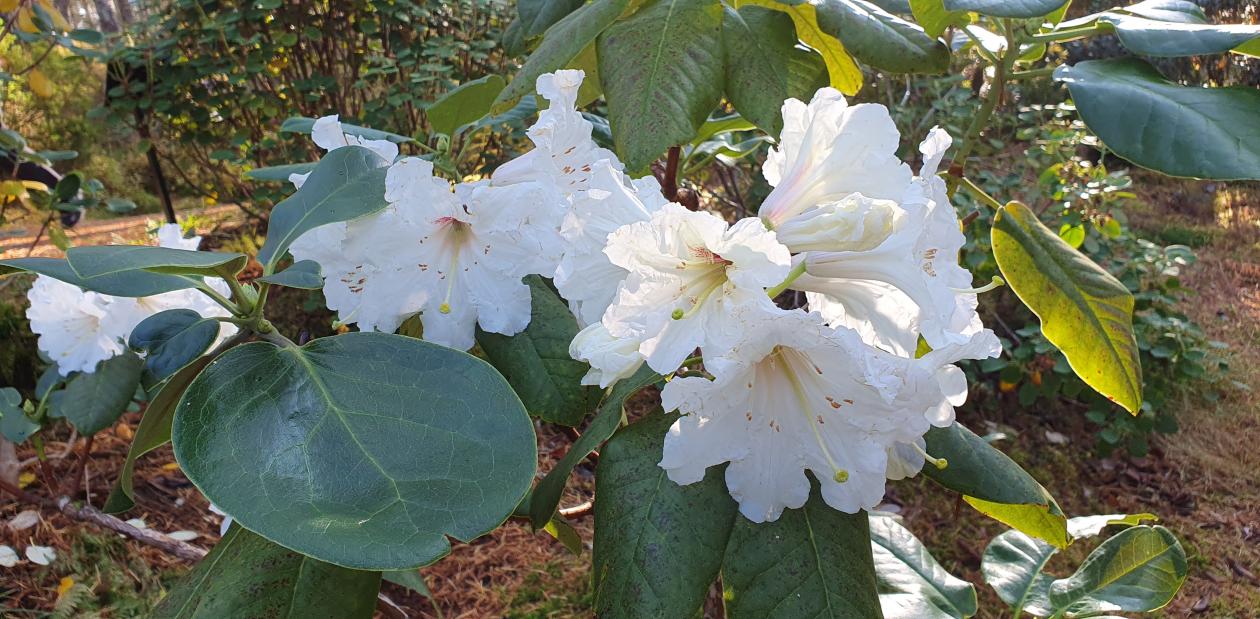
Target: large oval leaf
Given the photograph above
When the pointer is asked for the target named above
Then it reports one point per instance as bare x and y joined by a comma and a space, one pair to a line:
248, 577
94, 401
464, 104
1138, 570
348, 182
101, 260
658, 545
661, 70
1012, 564
538, 15
125, 284
912, 584
14, 424
842, 70
765, 66
1150, 37
1006, 8
881, 39
560, 45
1178, 130
536, 361
994, 484
363, 449
1084, 311
811, 562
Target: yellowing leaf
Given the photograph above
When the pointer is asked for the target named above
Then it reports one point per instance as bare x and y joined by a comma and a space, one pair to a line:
26, 479
26, 20
843, 71
170, 466
39, 84
59, 22
66, 583
12, 188
7, 6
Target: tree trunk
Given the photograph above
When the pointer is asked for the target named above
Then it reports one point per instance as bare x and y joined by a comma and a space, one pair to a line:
105, 16
125, 14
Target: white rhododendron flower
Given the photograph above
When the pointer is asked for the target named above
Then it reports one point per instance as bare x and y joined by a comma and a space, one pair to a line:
829, 149
916, 265
564, 153
457, 257
611, 358
78, 328
796, 395
688, 271
328, 135
585, 276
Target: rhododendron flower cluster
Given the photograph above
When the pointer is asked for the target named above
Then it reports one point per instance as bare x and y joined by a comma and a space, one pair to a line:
78, 329
836, 389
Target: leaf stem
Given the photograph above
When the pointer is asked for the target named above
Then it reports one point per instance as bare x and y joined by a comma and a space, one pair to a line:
996, 87
1068, 34
797, 270
220, 299
1032, 73
976, 191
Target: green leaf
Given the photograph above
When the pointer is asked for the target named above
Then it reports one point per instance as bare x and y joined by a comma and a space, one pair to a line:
466, 103
101, 260
842, 70
119, 206
304, 274
126, 284
564, 533
153, 432
14, 424
1012, 564
932, 15
411, 579
881, 39
348, 182
68, 187
764, 66
546, 495
1006, 8
538, 15
560, 45
428, 442
662, 74
301, 124
658, 545
536, 361
1181, 11
912, 583
1150, 37
1084, 311
83, 35
812, 562
1189, 131
172, 339
1089, 526
279, 172
994, 484
1138, 570
93, 401
248, 577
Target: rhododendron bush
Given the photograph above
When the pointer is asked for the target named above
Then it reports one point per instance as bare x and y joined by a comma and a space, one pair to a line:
805, 355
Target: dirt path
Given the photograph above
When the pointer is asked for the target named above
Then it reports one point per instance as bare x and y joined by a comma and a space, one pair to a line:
16, 239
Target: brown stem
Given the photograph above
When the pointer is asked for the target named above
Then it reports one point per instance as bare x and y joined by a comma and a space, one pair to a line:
669, 186
76, 480
40, 234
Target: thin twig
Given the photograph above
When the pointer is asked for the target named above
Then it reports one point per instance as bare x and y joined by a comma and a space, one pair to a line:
75, 480
578, 511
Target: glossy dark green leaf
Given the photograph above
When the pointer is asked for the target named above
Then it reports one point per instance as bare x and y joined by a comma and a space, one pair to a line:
1178, 130
94, 401
14, 424
546, 495
560, 45
536, 361
363, 449
248, 577
301, 124
1140, 569
662, 71
765, 66
1150, 37
658, 545
466, 103
536, 16
912, 584
1006, 8
811, 562
304, 274
1084, 310
279, 172
994, 484
128, 284
172, 339
153, 432
881, 39
348, 182
1181, 11
103, 260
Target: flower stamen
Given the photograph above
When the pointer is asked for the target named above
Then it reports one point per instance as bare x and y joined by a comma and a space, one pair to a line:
996, 283
840, 475
939, 463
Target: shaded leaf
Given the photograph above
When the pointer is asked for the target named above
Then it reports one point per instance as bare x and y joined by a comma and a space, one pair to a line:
304, 274
464, 104
881, 39
912, 584
126, 284
764, 66
94, 401
1140, 569
172, 339
14, 424
1006, 8
843, 72
279, 172
536, 16
302, 124
429, 442
102, 260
